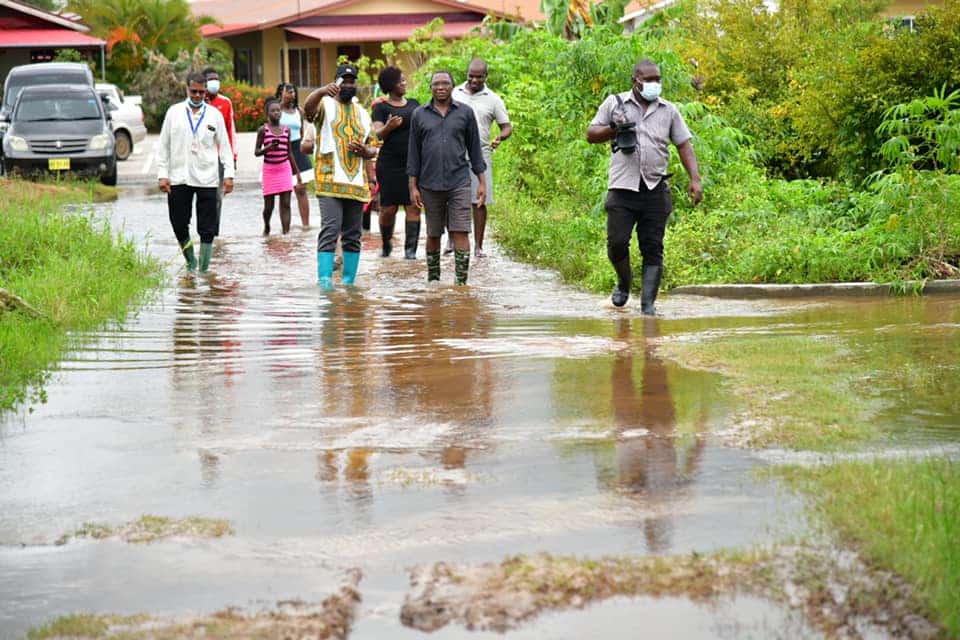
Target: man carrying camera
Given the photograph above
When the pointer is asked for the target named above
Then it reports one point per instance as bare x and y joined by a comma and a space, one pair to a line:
640, 124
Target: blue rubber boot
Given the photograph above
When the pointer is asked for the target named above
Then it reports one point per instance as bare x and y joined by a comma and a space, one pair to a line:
325, 270
351, 263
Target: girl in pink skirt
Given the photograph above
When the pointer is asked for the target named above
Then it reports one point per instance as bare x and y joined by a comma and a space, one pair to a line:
273, 143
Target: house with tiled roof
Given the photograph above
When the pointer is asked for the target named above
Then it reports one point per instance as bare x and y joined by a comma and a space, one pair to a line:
29, 34
300, 40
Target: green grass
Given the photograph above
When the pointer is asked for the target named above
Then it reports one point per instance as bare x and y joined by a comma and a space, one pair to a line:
903, 516
73, 269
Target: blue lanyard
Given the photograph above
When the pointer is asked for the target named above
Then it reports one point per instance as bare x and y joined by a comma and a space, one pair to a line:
193, 128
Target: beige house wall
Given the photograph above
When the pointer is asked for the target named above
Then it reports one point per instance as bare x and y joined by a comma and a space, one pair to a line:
273, 42
909, 7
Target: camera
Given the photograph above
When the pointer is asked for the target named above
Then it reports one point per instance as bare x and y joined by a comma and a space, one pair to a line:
625, 138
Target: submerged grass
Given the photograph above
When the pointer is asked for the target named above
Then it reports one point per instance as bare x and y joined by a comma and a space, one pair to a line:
73, 269
799, 392
331, 619
903, 516
150, 528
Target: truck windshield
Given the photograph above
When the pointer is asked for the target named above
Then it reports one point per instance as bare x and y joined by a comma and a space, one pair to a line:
46, 107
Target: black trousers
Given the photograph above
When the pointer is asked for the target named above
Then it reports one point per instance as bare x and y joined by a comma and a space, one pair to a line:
180, 206
647, 210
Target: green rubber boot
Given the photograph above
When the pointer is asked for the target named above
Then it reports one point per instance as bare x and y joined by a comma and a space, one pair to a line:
191, 259
433, 266
461, 261
206, 251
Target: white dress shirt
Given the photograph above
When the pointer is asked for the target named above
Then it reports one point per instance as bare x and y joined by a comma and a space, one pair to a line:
191, 144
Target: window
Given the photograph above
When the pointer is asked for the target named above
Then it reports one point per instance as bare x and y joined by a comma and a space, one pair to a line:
303, 67
351, 51
243, 65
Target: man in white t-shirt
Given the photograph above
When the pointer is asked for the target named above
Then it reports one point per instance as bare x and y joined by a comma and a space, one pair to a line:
193, 140
489, 108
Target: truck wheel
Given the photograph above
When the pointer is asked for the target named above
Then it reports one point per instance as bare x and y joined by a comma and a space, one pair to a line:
124, 145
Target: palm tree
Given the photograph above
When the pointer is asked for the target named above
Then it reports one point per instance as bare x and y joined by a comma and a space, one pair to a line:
571, 18
133, 27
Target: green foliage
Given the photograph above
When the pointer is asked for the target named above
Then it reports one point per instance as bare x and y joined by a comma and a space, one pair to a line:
925, 133
248, 104
828, 71
70, 55
70, 267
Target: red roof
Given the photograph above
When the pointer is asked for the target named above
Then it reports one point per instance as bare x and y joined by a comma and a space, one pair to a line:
375, 32
14, 38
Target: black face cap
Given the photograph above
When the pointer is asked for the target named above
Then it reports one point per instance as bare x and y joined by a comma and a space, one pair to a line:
346, 69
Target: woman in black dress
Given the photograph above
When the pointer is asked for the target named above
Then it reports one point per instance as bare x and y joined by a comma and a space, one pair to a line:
391, 122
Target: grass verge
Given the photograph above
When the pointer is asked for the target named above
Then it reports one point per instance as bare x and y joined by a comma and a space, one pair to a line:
74, 270
903, 516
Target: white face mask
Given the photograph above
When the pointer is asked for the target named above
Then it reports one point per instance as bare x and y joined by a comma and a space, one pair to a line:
650, 91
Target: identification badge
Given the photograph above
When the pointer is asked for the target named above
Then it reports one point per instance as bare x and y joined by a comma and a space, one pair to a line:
195, 147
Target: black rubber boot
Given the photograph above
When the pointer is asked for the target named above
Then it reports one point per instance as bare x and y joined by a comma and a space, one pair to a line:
387, 232
411, 239
651, 284
622, 292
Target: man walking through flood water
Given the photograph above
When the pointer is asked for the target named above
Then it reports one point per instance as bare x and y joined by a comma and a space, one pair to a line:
641, 124
488, 107
443, 135
193, 140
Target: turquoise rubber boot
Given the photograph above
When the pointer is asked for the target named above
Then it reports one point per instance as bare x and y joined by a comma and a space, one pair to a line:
206, 251
325, 270
351, 263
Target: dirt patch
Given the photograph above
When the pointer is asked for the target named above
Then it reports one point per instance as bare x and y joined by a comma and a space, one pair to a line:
838, 594
149, 528
332, 619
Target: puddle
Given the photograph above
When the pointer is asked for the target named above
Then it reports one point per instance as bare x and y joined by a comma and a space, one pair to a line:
398, 424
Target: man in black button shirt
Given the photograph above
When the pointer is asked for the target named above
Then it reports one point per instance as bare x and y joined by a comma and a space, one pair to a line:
443, 134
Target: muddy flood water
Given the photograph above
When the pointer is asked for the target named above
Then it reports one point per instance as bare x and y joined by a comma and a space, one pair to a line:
397, 424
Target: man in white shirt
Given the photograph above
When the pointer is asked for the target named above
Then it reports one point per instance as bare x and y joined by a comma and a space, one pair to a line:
193, 143
488, 108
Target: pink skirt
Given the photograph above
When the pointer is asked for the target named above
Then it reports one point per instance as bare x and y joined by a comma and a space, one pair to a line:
277, 178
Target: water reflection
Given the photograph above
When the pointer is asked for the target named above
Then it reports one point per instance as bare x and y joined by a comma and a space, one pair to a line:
654, 464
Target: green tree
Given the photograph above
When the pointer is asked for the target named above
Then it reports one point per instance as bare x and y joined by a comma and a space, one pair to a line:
134, 27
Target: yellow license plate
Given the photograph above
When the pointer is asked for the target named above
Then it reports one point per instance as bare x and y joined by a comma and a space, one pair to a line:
58, 164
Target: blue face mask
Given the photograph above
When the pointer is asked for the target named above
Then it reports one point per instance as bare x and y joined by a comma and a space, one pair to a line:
650, 91
213, 86
196, 104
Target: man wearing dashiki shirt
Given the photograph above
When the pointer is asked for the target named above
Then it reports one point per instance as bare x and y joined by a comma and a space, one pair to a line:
343, 134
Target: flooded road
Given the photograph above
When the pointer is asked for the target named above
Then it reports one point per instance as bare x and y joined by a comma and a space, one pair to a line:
395, 424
